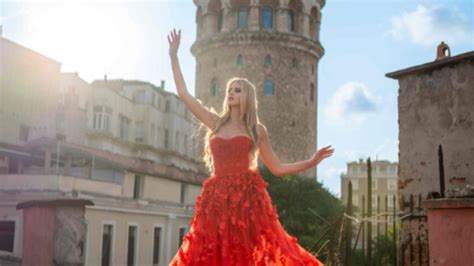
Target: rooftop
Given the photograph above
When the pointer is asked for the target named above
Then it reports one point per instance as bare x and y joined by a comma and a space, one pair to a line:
427, 67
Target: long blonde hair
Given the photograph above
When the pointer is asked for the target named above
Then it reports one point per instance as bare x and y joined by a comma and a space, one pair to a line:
248, 111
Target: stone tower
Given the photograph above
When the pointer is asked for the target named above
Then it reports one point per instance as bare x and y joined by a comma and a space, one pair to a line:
275, 44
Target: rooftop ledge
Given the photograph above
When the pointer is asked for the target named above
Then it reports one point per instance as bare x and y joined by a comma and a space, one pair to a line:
448, 61
448, 203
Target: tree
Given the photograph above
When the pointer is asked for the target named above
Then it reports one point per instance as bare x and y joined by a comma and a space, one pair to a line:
306, 209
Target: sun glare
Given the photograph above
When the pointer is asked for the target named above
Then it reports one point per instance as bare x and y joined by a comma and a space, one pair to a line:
83, 35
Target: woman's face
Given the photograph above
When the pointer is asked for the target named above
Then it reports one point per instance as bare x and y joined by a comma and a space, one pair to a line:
233, 94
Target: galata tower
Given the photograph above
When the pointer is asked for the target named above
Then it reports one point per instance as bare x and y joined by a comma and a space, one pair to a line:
275, 44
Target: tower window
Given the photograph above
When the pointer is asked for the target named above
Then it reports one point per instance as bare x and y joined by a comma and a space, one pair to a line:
219, 21
242, 19
240, 60
267, 17
214, 87
295, 63
268, 60
291, 20
268, 87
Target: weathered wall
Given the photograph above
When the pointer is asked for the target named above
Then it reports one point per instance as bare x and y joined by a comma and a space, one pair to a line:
435, 108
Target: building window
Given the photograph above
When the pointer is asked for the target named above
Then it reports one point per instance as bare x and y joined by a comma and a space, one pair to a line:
374, 184
295, 63
220, 18
214, 87
183, 193
24, 133
138, 187
311, 92
176, 141
101, 119
107, 240
152, 134
139, 132
242, 18
392, 184
182, 233
291, 20
139, 96
132, 245
124, 127
267, 17
167, 139
355, 200
268, 88
355, 184
390, 202
374, 200
167, 106
393, 169
185, 140
7, 235
156, 245
240, 60
268, 60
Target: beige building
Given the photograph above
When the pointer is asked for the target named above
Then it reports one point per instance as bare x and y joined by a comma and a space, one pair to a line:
384, 187
384, 183
125, 145
275, 44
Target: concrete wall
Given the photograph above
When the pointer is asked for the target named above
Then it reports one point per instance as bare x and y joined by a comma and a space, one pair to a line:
435, 108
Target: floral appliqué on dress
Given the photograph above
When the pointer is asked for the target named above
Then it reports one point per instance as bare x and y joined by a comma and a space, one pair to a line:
235, 222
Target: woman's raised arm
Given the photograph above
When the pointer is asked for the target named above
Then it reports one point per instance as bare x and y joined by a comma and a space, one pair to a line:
202, 113
277, 168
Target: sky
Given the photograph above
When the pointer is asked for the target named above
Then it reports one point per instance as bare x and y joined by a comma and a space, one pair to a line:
363, 40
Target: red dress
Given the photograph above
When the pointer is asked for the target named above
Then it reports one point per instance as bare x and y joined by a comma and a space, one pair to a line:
235, 221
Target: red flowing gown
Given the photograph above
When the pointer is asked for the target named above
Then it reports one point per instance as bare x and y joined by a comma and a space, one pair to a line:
235, 221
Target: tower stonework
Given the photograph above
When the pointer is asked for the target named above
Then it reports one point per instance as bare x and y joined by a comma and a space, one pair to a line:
274, 44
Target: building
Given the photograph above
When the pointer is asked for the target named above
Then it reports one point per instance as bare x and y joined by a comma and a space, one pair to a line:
28, 89
436, 151
127, 146
384, 188
275, 44
384, 183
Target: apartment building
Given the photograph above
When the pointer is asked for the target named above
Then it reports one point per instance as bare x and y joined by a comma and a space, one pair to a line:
126, 145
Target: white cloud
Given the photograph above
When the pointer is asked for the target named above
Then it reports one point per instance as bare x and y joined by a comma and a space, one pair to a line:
430, 25
350, 104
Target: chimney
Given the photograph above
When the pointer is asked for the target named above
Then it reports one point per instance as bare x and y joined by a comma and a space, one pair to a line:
105, 77
1, 31
162, 84
440, 51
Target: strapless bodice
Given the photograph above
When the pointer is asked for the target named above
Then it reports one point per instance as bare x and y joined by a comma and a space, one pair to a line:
230, 156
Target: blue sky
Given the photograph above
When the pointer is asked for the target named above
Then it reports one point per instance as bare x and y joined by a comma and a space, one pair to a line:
363, 40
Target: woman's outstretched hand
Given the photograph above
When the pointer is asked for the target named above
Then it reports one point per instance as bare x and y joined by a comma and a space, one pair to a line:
321, 154
174, 38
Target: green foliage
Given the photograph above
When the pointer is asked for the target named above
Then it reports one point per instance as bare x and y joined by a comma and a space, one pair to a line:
296, 199
385, 253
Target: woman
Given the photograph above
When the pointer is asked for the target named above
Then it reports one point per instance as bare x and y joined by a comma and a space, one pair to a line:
235, 221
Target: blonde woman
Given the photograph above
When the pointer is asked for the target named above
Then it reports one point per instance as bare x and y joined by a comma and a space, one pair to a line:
235, 221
